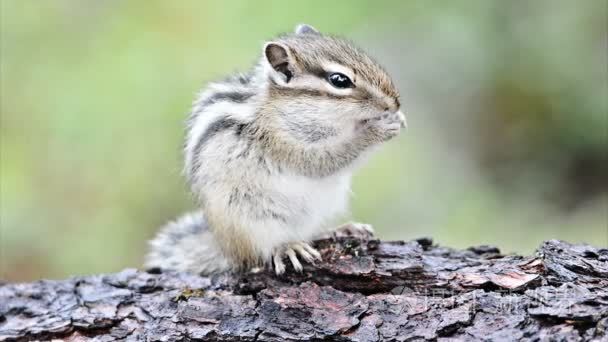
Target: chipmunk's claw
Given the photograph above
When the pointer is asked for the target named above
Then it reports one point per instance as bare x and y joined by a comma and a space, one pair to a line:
292, 250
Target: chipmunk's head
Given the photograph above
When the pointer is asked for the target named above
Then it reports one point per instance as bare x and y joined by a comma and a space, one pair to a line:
319, 84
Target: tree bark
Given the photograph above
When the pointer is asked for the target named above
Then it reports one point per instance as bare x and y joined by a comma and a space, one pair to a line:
362, 291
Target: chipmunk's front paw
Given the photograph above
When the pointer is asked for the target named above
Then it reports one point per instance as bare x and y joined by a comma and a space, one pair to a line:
385, 126
292, 250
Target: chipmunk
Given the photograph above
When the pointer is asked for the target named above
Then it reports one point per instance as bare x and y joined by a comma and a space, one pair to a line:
269, 155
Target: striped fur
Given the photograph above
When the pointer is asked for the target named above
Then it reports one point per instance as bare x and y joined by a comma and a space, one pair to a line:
269, 154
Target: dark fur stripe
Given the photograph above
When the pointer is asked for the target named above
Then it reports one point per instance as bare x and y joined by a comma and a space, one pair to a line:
240, 78
221, 124
234, 96
278, 91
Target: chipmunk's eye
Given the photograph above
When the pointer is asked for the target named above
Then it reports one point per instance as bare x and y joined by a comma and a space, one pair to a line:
339, 80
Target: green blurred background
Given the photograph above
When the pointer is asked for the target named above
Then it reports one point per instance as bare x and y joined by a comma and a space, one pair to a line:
506, 102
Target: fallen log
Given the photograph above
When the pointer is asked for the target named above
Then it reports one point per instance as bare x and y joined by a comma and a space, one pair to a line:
362, 291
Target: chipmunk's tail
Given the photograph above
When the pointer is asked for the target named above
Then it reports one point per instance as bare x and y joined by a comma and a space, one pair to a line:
188, 245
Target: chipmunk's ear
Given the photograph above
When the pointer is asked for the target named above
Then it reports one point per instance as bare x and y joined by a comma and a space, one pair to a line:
305, 29
279, 58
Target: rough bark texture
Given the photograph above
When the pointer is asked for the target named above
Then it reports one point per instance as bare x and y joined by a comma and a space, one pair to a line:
371, 291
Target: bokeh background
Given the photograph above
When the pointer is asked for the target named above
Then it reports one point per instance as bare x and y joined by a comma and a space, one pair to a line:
506, 102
